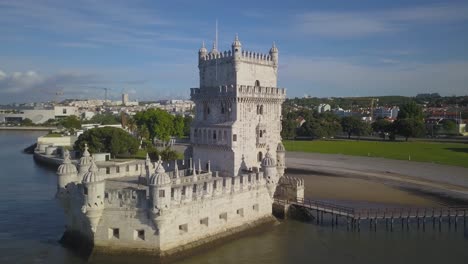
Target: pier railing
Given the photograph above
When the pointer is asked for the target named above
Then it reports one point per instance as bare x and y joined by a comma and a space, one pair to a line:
353, 216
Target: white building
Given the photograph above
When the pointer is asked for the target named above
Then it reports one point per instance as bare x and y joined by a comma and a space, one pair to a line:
322, 108
37, 116
386, 112
227, 187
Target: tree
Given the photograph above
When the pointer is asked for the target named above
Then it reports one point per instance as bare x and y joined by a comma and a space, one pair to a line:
105, 119
288, 129
354, 126
108, 139
411, 110
178, 125
382, 126
131, 125
166, 154
187, 123
409, 127
71, 122
449, 127
27, 122
159, 123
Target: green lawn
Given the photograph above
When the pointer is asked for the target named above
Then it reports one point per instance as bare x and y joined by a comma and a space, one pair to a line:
443, 153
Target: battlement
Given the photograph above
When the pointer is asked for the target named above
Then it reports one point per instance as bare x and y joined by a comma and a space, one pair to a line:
125, 198
248, 56
239, 91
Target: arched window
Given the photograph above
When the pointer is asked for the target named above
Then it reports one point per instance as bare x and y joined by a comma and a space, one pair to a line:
261, 109
257, 83
260, 156
214, 135
261, 133
222, 108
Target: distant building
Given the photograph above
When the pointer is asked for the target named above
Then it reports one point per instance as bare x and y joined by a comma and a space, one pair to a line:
340, 112
386, 112
321, 108
37, 116
124, 99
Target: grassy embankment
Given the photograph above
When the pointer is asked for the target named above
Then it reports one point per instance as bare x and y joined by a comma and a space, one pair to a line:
443, 153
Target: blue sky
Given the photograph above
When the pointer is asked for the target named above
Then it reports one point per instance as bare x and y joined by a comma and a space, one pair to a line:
149, 48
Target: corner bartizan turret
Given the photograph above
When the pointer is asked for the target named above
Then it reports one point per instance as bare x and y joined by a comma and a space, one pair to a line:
93, 191
280, 157
237, 52
270, 172
66, 173
160, 188
85, 162
274, 55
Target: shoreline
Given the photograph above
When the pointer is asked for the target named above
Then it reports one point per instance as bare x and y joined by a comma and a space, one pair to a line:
27, 128
438, 192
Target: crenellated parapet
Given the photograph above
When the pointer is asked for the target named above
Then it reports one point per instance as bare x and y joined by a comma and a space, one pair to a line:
290, 188
238, 91
244, 56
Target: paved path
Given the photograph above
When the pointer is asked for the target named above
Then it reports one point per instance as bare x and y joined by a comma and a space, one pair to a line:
451, 180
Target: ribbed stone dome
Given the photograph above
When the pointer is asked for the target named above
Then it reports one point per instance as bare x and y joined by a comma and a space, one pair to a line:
268, 161
203, 48
280, 147
160, 177
273, 49
93, 174
66, 167
86, 158
236, 42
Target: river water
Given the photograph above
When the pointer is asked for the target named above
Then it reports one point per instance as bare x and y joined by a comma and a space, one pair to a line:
32, 222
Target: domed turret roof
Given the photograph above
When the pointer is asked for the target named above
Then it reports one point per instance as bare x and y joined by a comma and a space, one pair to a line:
203, 48
160, 176
66, 167
268, 160
274, 49
280, 147
86, 158
93, 174
236, 42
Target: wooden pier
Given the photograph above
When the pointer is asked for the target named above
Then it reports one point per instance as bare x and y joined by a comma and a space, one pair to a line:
354, 217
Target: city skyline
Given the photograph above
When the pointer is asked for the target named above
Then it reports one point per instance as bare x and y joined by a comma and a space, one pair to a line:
149, 50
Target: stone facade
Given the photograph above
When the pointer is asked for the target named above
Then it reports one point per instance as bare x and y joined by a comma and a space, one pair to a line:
228, 185
238, 108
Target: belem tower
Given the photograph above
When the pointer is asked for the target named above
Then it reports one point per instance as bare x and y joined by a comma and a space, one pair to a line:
225, 185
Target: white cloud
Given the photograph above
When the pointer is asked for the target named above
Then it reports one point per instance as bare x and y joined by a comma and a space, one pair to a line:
31, 82
357, 23
340, 77
92, 24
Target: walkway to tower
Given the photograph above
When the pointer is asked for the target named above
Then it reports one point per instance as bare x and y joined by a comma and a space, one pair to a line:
334, 214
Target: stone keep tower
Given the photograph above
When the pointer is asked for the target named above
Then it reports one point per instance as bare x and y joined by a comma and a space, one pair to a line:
238, 108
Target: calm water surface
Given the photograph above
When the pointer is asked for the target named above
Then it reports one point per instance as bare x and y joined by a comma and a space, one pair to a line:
31, 223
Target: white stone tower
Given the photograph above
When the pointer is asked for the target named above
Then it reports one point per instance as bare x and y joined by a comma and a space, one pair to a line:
93, 190
238, 108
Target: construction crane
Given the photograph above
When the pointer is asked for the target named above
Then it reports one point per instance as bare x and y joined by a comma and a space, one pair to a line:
106, 90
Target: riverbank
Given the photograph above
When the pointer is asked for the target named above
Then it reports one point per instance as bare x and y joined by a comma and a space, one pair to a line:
27, 128
448, 183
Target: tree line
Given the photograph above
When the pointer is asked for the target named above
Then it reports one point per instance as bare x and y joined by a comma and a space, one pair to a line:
410, 123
